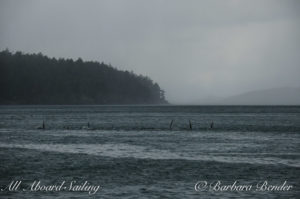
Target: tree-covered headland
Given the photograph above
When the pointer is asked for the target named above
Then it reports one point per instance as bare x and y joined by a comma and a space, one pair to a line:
38, 79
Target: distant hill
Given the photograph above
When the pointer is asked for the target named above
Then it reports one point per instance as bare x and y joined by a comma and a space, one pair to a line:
38, 79
275, 96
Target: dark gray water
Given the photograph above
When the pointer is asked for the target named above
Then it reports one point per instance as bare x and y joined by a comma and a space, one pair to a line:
131, 152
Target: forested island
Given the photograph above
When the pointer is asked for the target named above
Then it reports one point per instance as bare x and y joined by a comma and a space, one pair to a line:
38, 79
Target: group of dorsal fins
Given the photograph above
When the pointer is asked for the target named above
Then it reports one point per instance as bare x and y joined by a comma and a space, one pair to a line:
43, 127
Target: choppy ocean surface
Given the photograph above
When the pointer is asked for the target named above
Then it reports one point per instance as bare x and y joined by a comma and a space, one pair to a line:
131, 152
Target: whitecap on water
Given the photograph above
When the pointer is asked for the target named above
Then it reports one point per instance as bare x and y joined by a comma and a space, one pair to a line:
142, 152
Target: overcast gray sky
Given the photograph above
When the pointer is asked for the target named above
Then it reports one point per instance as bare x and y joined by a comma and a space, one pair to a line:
193, 49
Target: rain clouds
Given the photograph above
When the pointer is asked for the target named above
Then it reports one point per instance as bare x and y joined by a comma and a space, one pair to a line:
193, 49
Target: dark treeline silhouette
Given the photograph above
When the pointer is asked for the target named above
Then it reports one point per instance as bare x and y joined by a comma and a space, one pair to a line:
38, 79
